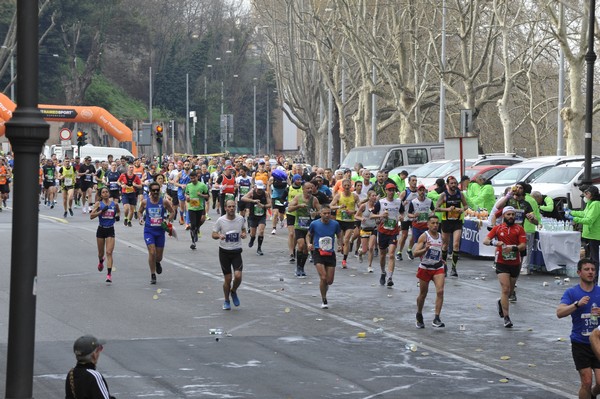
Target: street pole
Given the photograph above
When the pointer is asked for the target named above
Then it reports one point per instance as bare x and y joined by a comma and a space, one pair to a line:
254, 122
222, 109
187, 113
205, 119
27, 132
12, 77
374, 112
442, 118
172, 136
268, 120
329, 129
590, 58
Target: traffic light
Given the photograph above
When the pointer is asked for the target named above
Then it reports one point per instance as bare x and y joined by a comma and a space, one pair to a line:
81, 138
159, 134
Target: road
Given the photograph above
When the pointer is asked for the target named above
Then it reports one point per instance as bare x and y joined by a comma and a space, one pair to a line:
279, 343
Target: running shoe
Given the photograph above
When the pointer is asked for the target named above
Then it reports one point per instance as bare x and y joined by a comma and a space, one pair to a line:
125, 222
410, 254
500, 311
298, 271
101, 265
153, 279
234, 298
226, 305
65, 215
453, 272
108, 278
390, 282
419, 323
193, 246
382, 279
259, 252
274, 231
437, 323
302, 273
324, 305
281, 224
369, 269
251, 242
208, 217
71, 211
84, 209
51, 206
344, 264
158, 268
507, 322
513, 297
399, 256
292, 259
129, 223
135, 214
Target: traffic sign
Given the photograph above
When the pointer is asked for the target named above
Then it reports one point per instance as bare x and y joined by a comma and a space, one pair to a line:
65, 134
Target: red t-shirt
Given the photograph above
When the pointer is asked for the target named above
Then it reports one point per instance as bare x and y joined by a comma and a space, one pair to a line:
509, 235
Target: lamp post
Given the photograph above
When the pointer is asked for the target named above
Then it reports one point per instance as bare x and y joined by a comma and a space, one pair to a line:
205, 117
187, 112
442, 119
254, 119
27, 132
590, 58
268, 122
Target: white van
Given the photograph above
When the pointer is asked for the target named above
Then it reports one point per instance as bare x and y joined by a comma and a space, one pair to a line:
102, 153
391, 156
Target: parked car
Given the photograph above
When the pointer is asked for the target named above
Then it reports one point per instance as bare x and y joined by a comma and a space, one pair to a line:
486, 171
562, 182
498, 159
529, 170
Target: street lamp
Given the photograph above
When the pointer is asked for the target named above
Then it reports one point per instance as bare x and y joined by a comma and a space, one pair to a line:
254, 119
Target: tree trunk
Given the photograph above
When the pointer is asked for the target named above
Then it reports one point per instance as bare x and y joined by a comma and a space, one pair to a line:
574, 115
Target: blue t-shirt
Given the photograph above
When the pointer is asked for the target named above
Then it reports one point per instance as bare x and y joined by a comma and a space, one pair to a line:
583, 325
324, 234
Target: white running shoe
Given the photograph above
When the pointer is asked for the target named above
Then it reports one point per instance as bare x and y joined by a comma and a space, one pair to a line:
274, 231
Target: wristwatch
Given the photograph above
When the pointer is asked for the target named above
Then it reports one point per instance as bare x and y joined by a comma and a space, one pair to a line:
576, 303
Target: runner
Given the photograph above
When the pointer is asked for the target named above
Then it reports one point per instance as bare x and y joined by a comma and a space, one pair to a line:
306, 207
406, 196
86, 173
129, 183
5, 173
368, 225
390, 210
155, 222
321, 241
243, 184
278, 185
431, 267
49, 188
226, 182
258, 202
196, 194
293, 191
182, 180
452, 203
230, 230
112, 181
345, 202
67, 177
107, 211
509, 239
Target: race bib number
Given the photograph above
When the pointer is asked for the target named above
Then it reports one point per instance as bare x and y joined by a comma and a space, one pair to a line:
345, 216
519, 216
390, 224
155, 217
303, 222
244, 190
129, 189
422, 216
68, 181
232, 236
453, 215
88, 177
229, 197
509, 254
258, 210
433, 254
326, 244
109, 214
113, 186
195, 202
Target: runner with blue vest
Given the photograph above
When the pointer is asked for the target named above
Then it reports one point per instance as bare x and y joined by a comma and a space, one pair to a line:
107, 211
156, 222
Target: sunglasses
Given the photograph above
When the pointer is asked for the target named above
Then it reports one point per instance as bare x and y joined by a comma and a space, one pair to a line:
155, 191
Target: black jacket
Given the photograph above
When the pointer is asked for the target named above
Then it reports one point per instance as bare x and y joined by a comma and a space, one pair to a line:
84, 382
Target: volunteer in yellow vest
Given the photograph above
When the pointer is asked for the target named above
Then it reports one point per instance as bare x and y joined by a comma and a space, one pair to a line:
346, 202
67, 177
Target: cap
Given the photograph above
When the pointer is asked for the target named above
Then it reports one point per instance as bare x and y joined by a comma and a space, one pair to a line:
261, 161
229, 167
420, 186
465, 177
86, 344
507, 209
390, 185
296, 177
260, 185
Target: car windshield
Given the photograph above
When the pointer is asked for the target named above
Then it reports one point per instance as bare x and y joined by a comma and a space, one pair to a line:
449, 168
510, 176
558, 175
426, 169
371, 158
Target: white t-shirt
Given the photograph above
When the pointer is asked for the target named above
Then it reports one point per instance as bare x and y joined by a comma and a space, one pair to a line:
232, 230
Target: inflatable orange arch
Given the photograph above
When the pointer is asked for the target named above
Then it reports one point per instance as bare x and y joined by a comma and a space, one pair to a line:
65, 113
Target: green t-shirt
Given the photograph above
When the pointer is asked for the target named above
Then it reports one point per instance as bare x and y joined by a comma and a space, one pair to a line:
196, 202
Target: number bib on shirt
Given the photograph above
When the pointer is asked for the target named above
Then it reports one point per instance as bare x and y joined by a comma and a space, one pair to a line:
229, 196
155, 216
68, 181
194, 202
390, 224
232, 236
258, 210
326, 246
129, 189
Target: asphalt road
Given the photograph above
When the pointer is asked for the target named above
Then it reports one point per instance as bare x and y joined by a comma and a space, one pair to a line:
279, 343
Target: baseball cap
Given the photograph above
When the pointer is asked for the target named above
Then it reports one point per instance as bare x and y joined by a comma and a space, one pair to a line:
229, 167
421, 185
390, 185
260, 185
86, 344
261, 161
507, 209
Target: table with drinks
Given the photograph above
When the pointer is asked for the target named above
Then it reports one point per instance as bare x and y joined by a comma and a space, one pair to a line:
556, 244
